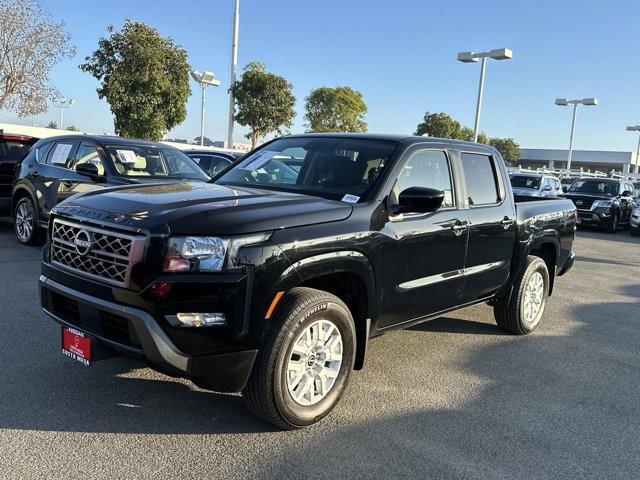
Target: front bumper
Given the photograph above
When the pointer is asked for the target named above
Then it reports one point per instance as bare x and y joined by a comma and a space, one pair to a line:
595, 218
135, 332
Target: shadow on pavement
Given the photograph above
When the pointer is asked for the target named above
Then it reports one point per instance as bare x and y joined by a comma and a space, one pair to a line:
542, 406
458, 325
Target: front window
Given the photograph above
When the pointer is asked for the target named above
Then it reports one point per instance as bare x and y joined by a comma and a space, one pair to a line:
595, 187
337, 168
525, 181
154, 161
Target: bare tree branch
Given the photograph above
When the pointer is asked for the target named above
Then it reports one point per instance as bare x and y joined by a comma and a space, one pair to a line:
31, 43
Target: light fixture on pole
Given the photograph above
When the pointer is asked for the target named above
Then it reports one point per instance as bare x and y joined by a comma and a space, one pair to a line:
234, 70
565, 102
472, 57
63, 103
636, 128
204, 79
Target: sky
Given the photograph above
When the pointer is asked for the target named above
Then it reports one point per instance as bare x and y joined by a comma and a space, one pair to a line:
400, 54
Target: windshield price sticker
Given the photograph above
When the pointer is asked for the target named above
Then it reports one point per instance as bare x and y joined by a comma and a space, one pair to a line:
350, 198
61, 153
257, 161
126, 156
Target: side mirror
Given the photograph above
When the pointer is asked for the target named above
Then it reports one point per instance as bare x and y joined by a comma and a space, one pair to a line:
626, 193
419, 200
88, 170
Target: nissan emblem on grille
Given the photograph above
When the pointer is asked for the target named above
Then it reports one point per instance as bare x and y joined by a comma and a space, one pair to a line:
83, 242
94, 251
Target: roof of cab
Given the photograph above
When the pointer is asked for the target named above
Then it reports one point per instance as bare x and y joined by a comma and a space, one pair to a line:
107, 140
406, 139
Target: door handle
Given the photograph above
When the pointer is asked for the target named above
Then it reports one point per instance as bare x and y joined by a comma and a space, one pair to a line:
506, 222
458, 227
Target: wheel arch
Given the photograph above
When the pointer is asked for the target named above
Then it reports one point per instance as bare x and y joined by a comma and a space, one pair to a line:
349, 276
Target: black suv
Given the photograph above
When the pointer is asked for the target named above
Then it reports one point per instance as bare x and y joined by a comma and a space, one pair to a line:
59, 167
602, 202
211, 161
13, 148
272, 283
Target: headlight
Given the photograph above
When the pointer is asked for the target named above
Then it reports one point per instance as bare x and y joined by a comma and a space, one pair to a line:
603, 203
206, 254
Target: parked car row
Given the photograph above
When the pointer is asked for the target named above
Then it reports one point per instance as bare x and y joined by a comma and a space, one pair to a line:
56, 168
601, 202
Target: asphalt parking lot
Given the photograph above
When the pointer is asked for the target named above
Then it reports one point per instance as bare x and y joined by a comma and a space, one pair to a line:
452, 398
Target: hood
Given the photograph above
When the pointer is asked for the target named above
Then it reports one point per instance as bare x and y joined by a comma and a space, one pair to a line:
197, 208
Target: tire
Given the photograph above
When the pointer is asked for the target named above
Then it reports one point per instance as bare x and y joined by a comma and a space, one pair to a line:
613, 227
510, 314
275, 390
635, 231
25, 222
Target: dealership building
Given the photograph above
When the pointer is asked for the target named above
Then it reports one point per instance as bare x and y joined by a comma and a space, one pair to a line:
600, 160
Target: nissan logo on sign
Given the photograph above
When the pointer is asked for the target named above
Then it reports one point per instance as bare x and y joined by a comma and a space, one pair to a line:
83, 242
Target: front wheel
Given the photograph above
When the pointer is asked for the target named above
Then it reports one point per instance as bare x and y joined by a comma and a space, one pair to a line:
522, 313
25, 221
306, 361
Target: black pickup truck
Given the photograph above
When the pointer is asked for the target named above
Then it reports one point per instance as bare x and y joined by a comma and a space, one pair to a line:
272, 278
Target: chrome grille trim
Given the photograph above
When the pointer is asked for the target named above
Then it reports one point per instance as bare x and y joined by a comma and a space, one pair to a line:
109, 260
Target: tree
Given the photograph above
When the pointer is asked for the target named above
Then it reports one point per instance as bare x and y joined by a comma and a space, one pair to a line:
144, 77
339, 109
72, 128
52, 124
443, 126
31, 43
508, 148
264, 102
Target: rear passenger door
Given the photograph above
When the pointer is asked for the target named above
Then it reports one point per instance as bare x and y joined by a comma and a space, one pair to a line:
492, 226
49, 172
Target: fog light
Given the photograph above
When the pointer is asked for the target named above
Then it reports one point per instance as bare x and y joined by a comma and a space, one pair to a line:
199, 319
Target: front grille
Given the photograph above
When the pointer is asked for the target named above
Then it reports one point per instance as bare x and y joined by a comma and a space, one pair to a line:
585, 203
94, 251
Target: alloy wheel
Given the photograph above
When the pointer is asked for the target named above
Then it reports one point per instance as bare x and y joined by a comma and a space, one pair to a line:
314, 362
24, 221
533, 298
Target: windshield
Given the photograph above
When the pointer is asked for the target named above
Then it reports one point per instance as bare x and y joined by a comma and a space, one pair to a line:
337, 168
154, 161
597, 187
525, 181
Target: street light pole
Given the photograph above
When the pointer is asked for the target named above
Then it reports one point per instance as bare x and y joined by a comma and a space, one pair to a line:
204, 92
476, 125
204, 79
63, 103
636, 128
233, 72
578, 101
472, 57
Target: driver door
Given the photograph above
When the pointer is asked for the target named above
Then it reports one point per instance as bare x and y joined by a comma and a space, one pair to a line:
424, 257
72, 182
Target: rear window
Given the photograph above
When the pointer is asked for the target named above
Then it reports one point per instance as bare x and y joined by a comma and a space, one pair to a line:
525, 181
481, 179
13, 150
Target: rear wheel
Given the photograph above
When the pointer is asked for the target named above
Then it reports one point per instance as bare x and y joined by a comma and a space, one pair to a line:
306, 361
26, 222
522, 313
